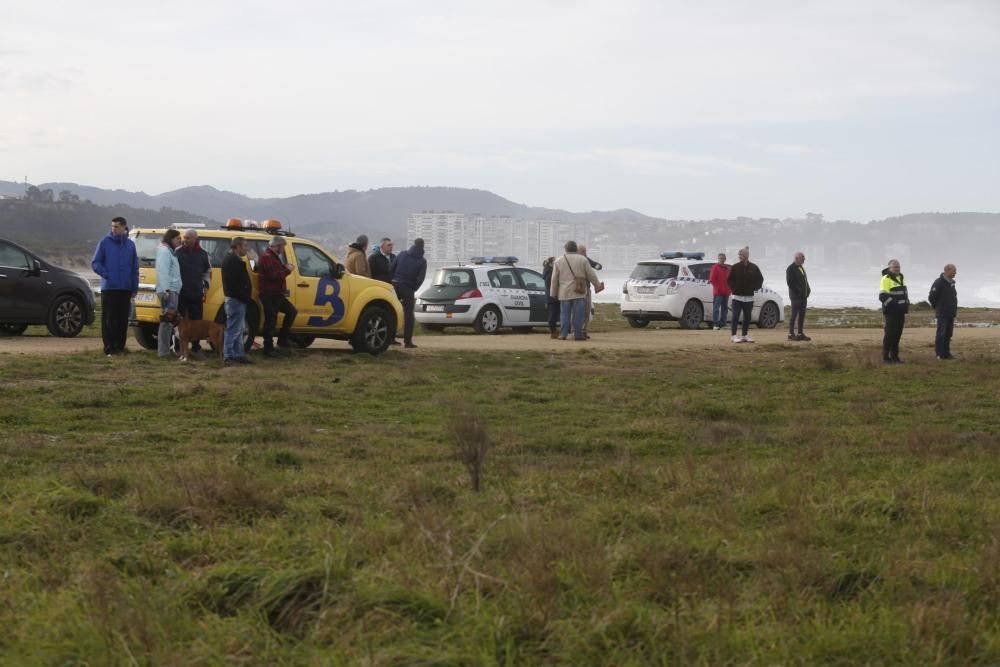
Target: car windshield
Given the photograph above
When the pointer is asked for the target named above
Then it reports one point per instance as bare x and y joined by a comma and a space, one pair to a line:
146, 245
654, 272
453, 278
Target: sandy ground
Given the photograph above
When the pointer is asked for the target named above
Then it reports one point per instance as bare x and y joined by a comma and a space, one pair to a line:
919, 339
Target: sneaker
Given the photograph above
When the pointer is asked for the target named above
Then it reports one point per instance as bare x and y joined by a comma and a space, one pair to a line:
409, 346
245, 361
737, 339
792, 337
717, 328
803, 337
748, 339
231, 362
395, 342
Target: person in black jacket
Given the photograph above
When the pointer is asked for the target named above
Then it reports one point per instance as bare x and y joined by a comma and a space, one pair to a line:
407, 273
552, 303
238, 289
944, 298
196, 276
380, 261
744, 279
798, 293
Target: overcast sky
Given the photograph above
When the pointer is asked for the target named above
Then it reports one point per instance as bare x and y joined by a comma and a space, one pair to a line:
858, 109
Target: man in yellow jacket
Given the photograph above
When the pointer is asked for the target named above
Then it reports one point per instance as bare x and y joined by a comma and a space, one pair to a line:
895, 304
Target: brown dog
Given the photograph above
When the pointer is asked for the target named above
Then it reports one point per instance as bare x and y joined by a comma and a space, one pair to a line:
189, 331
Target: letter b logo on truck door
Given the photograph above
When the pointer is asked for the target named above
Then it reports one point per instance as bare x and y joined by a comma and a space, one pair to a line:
328, 292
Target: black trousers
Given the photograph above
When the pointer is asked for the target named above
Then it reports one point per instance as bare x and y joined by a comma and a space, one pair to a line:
798, 312
408, 298
193, 309
115, 306
272, 306
744, 309
942, 339
893, 332
553, 308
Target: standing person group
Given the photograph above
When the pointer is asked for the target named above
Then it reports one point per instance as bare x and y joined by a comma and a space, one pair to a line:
719, 278
168, 287
744, 279
117, 263
572, 276
551, 301
944, 298
407, 273
895, 304
798, 294
238, 291
273, 296
196, 278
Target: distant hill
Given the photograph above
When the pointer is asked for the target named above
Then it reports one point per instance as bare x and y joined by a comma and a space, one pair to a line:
335, 215
67, 232
335, 218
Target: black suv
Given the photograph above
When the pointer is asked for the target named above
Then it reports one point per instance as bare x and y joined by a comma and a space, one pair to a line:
32, 291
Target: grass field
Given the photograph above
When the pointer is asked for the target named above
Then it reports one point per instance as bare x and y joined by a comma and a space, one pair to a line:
786, 505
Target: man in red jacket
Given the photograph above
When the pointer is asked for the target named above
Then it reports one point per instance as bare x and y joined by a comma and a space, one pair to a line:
719, 277
271, 286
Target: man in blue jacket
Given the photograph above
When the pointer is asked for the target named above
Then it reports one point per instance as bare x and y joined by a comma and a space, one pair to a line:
407, 275
117, 263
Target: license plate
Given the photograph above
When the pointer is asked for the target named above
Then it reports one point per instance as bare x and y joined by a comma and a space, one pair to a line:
434, 309
645, 290
146, 298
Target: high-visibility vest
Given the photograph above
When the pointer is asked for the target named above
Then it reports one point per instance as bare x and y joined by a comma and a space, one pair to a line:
895, 287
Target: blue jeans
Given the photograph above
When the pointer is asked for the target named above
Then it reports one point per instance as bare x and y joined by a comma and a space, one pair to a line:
236, 313
720, 309
942, 339
572, 308
168, 301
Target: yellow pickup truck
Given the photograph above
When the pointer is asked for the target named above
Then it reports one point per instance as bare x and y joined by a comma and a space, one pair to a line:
331, 303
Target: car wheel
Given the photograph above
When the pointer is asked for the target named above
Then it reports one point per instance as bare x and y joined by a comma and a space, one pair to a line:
693, 314
488, 320
145, 335
769, 316
250, 324
13, 329
66, 317
432, 327
374, 331
302, 340
637, 322
148, 336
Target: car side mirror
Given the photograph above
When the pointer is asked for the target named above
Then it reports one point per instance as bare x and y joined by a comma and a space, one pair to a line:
36, 268
338, 271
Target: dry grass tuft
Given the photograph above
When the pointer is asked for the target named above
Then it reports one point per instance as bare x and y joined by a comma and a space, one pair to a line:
468, 429
203, 495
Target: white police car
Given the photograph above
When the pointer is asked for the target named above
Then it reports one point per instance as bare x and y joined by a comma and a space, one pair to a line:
488, 293
676, 288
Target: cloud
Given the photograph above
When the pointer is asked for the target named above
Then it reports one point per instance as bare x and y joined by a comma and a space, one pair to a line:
789, 149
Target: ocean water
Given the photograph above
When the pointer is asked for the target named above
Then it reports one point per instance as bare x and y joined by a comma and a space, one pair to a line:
842, 290
829, 290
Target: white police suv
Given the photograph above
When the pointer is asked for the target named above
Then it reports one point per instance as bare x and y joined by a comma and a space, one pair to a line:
488, 293
676, 288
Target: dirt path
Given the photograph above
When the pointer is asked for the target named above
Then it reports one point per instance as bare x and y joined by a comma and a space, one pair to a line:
966, 339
